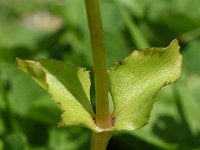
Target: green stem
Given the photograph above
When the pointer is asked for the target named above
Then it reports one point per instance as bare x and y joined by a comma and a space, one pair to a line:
100, 140
102, 119
100, 72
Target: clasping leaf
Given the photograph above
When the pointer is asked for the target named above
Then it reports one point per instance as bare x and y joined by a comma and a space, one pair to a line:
133, 84
68, 86
135, 81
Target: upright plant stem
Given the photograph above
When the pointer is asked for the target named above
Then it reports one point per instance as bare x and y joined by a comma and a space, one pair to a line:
99, 140
98, 52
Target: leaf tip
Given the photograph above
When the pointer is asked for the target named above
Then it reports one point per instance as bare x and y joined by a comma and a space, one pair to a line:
174, 44
19, 62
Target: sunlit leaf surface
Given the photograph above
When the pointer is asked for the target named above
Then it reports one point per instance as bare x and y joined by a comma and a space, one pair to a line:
68, 86
135, 81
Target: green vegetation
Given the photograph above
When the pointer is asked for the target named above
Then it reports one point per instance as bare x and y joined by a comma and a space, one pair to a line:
58, 29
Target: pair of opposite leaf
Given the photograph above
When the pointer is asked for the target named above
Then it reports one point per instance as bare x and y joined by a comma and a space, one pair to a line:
133, 84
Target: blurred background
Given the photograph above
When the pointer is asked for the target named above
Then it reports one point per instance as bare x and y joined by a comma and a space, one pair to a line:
58, 29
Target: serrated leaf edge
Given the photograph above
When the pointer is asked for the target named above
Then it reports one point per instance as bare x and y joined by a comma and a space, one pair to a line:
60, 123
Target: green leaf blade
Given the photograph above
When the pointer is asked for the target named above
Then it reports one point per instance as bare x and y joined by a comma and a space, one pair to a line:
135, 81
68, 86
